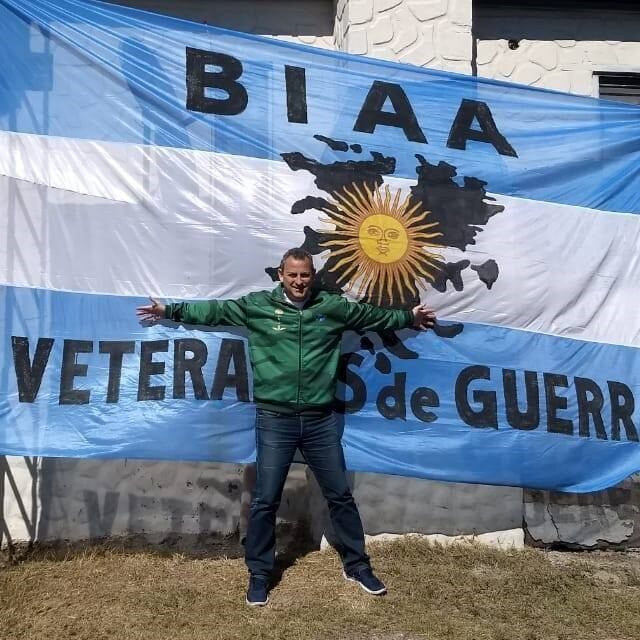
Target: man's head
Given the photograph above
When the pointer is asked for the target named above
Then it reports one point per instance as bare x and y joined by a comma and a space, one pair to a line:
296, 272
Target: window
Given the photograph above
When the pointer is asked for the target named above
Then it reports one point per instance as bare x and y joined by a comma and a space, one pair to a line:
624, 87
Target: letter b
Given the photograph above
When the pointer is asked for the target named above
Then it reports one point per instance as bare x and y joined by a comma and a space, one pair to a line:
198, 79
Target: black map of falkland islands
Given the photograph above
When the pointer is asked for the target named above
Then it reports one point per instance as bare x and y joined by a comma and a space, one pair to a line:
383, 243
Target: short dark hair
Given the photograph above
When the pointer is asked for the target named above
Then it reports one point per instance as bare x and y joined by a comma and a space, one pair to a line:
297, 254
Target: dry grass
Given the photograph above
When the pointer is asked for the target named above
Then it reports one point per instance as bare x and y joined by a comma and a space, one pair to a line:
465, 592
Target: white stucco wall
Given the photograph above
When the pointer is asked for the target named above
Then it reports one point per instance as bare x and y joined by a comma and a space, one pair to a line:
434, 33
561, 53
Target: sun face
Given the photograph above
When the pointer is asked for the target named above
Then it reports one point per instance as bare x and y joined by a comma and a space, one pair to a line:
383, 238
381, 245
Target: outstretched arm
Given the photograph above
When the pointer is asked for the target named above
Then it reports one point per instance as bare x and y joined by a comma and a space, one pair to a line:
151, 312
367, 317
211, 312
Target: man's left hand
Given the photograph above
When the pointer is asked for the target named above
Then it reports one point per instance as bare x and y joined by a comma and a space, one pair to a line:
423, 317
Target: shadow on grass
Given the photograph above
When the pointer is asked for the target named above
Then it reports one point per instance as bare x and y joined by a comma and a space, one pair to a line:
293, 543
291, 548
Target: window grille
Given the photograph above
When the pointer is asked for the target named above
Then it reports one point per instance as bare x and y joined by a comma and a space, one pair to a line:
624, 87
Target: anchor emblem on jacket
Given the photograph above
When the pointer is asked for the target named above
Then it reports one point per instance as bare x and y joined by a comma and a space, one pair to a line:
279, 313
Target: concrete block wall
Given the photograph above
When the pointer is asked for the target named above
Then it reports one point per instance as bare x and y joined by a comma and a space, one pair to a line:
441, 511
160, 500
604, 519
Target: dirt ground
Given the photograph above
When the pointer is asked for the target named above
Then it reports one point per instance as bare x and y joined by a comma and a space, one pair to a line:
133, 591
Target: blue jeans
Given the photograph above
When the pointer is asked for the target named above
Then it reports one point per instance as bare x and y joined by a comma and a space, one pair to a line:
277, 437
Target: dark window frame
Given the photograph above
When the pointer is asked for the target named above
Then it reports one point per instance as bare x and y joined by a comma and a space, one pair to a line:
623, 86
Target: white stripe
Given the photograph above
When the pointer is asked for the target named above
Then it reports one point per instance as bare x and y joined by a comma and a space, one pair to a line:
132, 220
564, 270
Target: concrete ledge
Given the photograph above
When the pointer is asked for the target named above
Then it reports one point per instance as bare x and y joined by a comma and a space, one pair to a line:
505, 540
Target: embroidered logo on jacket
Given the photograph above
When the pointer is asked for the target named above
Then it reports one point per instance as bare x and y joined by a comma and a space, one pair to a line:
279, 313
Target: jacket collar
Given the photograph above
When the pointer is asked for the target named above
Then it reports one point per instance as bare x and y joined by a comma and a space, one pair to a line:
277, 295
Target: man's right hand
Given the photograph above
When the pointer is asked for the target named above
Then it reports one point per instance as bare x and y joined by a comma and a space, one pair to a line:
151, 312
423, 317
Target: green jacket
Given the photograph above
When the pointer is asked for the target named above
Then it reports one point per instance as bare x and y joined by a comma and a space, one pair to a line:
294, 353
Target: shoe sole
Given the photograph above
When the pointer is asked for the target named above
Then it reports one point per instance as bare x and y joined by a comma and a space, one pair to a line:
257, 604
379, 592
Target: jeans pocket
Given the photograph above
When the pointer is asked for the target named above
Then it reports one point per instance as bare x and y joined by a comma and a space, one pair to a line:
266, 413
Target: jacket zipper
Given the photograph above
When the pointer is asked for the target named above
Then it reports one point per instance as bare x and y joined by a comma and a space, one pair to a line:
299, 355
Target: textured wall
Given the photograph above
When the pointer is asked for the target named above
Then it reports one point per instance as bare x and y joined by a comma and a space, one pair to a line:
559, 53
441, 510
434, 33
597, 520
160, 500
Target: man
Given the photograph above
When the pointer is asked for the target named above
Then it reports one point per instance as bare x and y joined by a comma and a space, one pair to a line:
294, 345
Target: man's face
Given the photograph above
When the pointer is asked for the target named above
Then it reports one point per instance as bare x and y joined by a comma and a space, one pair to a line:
296, 277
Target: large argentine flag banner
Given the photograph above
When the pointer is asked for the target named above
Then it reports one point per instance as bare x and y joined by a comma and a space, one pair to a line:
143, 155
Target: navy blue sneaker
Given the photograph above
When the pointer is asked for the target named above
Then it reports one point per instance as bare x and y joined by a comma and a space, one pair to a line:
367, 580
257, 591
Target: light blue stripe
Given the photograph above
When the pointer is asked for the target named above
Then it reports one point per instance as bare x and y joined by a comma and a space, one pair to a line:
118, 74
187, 429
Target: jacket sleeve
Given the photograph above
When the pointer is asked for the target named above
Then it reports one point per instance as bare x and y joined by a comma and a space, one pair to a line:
366, 317
211, 312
